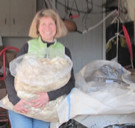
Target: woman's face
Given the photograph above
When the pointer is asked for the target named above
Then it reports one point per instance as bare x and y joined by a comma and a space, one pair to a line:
47, 29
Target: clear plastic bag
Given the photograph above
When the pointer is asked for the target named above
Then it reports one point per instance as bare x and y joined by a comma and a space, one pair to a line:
104, 73
35, 69
101, 73
41, 71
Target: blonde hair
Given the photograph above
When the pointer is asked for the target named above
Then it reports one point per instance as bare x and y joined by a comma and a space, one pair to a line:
61, 28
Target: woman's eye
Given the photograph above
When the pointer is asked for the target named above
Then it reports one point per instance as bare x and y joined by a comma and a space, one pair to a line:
51, 24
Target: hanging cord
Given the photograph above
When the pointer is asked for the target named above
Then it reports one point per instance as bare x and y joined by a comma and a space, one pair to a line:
51, 5
118, 19
91, 28
47, 3
70, 14
118, 12
89, 10
43, 3
74, 16
81, 11
66, 9
117, 34
66, 6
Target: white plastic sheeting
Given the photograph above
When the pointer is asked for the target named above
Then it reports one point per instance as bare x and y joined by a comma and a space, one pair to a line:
110, 98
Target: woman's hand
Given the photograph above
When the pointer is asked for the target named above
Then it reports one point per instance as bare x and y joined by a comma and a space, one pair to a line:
19, 107
41, 101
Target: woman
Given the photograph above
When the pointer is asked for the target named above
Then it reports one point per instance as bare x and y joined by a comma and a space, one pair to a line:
46, 27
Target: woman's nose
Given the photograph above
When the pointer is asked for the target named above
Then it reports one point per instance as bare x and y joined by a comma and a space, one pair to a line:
47, 27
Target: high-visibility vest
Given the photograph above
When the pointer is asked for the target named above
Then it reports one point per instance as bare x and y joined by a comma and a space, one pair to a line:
37, 45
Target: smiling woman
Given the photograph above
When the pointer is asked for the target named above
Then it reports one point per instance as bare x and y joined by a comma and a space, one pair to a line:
46, 27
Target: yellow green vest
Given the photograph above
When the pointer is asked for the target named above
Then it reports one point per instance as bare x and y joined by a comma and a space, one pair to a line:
36, 45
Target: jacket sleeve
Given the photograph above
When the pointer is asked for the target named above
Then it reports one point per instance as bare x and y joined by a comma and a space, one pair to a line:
9, 80
65, 89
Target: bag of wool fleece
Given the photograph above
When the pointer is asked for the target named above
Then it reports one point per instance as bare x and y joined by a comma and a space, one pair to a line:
34, 73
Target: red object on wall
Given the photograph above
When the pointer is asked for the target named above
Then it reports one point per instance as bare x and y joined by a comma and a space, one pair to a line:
128, 41
3, 52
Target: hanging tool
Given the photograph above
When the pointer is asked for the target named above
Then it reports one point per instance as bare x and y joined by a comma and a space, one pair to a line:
128, 41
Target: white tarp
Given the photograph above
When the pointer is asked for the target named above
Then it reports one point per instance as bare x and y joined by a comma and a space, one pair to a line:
79, 103
96, 99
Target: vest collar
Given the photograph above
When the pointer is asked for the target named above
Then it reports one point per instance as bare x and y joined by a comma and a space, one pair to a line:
53, 43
